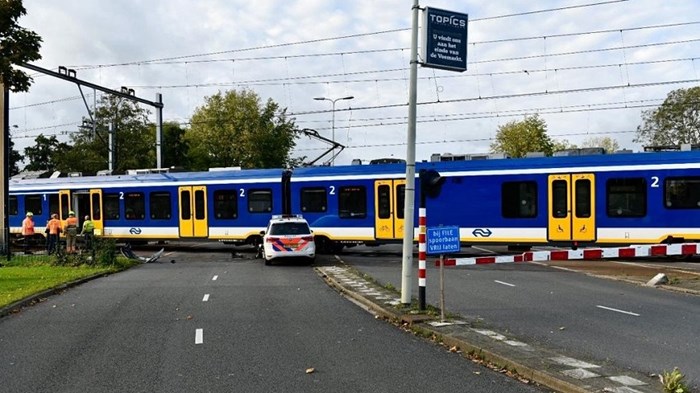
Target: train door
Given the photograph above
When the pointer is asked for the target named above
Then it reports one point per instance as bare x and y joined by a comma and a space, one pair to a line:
193, 211
64, 205
389, 208
96, 211
571, 207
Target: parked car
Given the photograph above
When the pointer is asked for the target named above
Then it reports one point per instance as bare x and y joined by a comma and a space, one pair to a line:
288, 236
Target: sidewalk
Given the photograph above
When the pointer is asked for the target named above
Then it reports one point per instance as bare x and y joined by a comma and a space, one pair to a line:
528, 362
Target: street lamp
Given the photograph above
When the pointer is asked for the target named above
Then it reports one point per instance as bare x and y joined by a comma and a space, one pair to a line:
333, 121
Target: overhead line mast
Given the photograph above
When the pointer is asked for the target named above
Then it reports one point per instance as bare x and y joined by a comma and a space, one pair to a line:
70, 76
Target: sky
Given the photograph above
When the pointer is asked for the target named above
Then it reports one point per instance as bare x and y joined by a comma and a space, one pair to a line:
589, 68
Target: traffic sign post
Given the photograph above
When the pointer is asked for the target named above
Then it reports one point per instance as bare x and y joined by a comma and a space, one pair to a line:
443, 240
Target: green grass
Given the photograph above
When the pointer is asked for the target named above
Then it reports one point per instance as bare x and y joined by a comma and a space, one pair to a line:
22, 278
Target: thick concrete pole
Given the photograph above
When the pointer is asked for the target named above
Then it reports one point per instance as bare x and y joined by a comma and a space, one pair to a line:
409, 208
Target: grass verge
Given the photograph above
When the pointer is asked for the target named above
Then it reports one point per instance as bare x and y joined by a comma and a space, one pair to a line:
20, 278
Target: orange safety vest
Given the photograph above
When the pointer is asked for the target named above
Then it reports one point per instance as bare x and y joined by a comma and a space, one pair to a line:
27, 227
54, 226
72, 222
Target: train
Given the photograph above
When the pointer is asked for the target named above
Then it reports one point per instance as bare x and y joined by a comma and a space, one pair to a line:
572, 201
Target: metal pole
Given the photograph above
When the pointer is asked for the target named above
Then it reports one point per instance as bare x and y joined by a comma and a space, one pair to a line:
442, 287
6, 169
333, 132
110, 164
422, 248
410, 166
159, 130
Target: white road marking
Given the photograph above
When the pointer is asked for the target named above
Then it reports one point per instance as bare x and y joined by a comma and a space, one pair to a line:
206, 298
215, 277
504, 283
484, 250
199, 336
620, 311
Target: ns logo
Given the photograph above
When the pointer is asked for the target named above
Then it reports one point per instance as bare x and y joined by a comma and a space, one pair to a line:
135, 231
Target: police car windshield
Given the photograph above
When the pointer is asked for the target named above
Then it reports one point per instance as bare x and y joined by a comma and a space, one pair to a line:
290, 228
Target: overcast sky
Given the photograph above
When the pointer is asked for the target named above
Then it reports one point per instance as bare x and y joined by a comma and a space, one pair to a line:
588, 67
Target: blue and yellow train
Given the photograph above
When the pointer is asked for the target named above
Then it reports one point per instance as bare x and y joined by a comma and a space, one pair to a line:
611, 199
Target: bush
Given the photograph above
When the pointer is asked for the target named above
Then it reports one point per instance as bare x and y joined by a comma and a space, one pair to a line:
673, 381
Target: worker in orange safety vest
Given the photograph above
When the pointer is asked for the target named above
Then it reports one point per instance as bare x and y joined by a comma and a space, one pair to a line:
71, 231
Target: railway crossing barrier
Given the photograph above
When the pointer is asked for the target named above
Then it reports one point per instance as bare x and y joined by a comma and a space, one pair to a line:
634, 251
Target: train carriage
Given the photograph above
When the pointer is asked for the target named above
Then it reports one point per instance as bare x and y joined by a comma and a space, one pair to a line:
583, 200
599, 199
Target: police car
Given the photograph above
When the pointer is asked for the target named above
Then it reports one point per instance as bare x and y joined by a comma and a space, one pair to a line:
287, 236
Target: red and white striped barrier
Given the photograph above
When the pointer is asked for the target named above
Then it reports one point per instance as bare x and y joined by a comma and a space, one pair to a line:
652, 250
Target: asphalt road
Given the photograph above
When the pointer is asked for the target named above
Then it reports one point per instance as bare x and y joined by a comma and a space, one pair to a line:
640, 328
211, 323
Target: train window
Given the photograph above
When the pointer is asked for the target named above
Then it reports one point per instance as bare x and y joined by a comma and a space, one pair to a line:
384, 201
185, 205
65, 206
352, 202
12, 205
226, 204
160, 206
583, 198
134, 206
260, 201
627, 197
96, 213
560, 199
53, 203
32, 203
313, 200
111, 206
682, 193
519, 199
199, 204
400, 200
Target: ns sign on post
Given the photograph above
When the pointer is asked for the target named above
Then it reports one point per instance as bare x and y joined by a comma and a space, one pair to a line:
445, 39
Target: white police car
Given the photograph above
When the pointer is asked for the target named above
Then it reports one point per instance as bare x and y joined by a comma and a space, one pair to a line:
287, 236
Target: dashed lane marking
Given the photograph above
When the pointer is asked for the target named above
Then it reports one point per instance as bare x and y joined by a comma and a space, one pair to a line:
199, 336
214, 278
206, 298
620, 311
504, 283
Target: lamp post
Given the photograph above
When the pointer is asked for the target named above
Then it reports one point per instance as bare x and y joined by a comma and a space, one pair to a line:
333, 121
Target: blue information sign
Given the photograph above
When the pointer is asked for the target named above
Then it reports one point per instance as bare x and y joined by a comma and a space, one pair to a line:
442, 240
445, 39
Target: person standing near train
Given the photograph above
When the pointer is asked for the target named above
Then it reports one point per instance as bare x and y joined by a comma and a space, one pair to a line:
71, 231
88, 232
28, 230
53, 229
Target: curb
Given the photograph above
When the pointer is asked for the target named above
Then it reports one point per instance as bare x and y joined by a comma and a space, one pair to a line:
539, 365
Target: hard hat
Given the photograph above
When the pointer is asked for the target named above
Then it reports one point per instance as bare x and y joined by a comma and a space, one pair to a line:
87, 217
54, 215
29, 214
71, 213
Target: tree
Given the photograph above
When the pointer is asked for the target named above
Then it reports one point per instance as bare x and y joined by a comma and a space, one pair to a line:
45, 156
235, 129
608, 144
174, 147
517, 138
17, 45
134, 139
675, 122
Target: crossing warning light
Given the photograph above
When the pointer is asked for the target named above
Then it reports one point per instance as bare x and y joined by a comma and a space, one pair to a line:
431, 182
